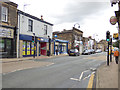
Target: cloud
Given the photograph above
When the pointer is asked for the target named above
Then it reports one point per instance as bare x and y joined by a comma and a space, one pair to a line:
78, 11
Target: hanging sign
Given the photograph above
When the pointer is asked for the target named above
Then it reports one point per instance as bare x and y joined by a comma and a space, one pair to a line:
113, 20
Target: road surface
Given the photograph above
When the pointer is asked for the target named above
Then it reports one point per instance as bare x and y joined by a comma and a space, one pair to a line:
65, 72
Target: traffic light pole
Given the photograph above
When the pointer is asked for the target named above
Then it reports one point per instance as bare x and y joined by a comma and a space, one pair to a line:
110, 48
108, 55
108, 40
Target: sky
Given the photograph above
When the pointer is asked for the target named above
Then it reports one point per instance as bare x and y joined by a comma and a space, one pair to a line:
92, 15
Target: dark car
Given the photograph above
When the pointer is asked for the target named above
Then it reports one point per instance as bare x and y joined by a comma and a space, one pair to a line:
73, 52
86, 52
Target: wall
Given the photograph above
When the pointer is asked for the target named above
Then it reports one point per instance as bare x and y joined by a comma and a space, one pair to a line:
12, 14
38, 27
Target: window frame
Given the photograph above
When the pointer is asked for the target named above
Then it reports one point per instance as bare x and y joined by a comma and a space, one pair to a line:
30, 25
45, 29
4, 14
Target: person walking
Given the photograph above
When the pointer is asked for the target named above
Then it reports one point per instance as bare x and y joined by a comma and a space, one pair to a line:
116, 54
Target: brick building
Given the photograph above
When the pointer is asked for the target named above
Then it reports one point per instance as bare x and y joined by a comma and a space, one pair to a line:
102, 45
74, 36
8, 14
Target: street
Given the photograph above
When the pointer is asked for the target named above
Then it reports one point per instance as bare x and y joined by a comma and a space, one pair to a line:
64, 72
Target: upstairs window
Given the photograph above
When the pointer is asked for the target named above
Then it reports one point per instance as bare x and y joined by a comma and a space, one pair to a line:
4, 14
30, 25
45, 29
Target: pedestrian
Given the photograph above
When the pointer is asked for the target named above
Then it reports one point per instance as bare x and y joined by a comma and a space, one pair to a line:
116, 54
56, 51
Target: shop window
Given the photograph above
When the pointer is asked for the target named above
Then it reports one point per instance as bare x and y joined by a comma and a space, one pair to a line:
28, 48
2, 45
63, 48
32, 48
24, 47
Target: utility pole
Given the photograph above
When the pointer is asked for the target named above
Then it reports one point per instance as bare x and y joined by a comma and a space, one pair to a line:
110, 48
108, 39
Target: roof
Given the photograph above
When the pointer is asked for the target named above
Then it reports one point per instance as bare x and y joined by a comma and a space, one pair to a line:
67, 31
33, 17
63, 41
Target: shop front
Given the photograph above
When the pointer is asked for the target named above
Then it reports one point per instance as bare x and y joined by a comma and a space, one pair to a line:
7, 42
29, 48
60, 47
42, 45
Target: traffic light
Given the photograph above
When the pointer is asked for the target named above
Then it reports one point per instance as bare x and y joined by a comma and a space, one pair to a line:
33, 39
107, 36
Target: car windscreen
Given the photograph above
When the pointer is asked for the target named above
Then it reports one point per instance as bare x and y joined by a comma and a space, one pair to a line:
72, 50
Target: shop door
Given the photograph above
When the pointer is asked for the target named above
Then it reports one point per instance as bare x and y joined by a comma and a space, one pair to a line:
43, 48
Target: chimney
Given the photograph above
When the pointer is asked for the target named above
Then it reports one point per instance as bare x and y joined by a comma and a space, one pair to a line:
42, 17
64, 29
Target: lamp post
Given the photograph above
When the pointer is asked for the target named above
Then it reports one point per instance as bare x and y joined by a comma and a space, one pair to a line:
77, 24
49, 40
34, 45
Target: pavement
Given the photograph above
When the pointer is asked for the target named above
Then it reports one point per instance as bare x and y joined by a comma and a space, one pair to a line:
107, 76
17, 64
6, 60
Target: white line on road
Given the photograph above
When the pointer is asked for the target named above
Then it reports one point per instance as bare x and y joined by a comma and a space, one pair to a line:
49, 64
74, 79
88, 76
80, 76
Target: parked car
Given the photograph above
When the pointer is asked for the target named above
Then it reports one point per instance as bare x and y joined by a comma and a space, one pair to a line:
86, 52
98, 51
92, 51
73, 52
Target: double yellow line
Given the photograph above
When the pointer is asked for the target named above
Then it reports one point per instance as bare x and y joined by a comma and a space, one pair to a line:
90, 84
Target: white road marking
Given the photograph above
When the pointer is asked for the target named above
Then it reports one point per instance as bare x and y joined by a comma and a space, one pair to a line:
74, 79
88, 76
49, 64
80, 76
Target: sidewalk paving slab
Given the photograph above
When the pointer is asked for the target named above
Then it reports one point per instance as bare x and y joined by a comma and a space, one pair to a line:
107, 76
17, 64
6, 60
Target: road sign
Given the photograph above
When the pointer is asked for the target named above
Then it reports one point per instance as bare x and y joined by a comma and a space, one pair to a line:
113, 20
115, 35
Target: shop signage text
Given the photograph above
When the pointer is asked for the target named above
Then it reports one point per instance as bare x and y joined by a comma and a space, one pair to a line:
4, 32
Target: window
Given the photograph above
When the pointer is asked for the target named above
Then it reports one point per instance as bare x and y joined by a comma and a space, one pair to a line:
30, 25
45, 29
4, 14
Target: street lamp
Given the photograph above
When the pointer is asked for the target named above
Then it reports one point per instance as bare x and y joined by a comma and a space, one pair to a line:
77, 24
49, 40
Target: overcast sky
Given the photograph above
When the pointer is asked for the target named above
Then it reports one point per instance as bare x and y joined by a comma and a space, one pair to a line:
92, 15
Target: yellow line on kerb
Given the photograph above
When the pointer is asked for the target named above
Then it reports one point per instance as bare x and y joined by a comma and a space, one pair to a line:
90, 84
